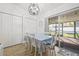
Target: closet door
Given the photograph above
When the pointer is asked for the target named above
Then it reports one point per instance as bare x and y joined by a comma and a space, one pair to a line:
7, 29
11, 30
17, 30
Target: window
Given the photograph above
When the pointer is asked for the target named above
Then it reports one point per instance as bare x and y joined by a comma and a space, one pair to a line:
77, 29
68, 29
54, 28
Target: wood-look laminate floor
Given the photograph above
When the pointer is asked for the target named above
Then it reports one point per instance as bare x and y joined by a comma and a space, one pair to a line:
16, 50
19, 50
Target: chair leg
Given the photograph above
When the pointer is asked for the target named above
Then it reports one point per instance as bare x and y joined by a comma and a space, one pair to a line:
51, 53
28, 46
54, 53
31, 48
35, 51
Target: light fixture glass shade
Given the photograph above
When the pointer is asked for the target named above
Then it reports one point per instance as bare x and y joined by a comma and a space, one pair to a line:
33, 9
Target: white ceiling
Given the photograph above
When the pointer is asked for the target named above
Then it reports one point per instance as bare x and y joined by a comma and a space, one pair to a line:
46, 9
22, 8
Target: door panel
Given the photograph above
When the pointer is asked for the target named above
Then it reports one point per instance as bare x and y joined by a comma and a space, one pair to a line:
11, 30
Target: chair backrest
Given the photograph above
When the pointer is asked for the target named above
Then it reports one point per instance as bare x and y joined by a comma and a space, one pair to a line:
54, 40
26, 37
32, 35
33, 40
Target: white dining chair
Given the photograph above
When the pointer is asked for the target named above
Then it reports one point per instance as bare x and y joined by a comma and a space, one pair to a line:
33, 43
38, 46
51, 47
27, 41
54, 44
1, 49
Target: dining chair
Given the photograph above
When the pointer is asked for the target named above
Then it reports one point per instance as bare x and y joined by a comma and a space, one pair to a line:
27, 41
33, 44
50, 47
38, 46
1, 49
54, 44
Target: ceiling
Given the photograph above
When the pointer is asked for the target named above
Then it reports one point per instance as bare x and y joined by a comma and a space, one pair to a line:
22, 8
46, 9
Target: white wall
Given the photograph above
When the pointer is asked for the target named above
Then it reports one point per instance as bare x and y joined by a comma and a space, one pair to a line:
29, 25
33, 24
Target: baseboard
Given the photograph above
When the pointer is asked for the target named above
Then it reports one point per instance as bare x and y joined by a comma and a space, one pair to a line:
13, 45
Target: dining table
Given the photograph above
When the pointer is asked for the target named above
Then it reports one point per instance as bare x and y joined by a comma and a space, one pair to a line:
41, 40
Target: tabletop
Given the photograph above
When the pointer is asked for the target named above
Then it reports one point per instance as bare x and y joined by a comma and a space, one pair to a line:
42, 37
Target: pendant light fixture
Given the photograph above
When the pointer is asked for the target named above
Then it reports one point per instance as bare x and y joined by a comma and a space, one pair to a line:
33, 9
